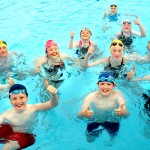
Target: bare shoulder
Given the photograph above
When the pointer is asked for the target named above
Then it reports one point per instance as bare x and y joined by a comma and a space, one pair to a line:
41, 59
64, 56
7, 113
117, 93
92, 95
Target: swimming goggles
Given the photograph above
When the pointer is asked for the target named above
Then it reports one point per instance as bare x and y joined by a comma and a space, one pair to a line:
23, 91
124, 22
113, 5
109, 79
3, 42
116, 43
86, 29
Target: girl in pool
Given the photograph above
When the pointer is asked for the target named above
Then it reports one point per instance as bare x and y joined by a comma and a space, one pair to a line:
83, 44
106, 104
126, 35
116, 62
53, 63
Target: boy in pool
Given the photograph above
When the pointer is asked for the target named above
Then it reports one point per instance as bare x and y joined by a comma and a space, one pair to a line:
17, 132
106, 103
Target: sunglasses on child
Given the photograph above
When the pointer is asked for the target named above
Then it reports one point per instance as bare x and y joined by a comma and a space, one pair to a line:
116, 43
23, 91
109, 79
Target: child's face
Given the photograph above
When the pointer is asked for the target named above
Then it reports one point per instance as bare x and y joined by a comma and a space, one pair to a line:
53, 51
85, 34
126, 26
113, 10
105, 88
116, 52
3, 51
19, 101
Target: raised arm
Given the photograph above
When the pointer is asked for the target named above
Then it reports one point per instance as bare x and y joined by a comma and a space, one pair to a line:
141, 27
53, 102
88, 55
144, 78
10, 83
105, 14
138, 58
71, 40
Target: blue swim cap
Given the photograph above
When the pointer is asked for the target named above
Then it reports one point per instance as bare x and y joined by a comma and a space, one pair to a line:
18, 87
106, 76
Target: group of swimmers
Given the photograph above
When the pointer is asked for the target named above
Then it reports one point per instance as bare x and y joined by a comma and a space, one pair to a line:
104, 105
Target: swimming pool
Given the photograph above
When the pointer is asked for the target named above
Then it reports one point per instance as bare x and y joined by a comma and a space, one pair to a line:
26, 25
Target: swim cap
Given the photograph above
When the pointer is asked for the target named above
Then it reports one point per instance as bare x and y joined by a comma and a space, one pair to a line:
126, 21
85, 29
113, 5
116, 42
18, 87
106, 76
50, 43
3, 43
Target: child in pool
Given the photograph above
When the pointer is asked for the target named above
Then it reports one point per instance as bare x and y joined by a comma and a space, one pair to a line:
83, 44
126, 35
17, 132
53, 63
104, 101
113, 14
116, 62
6, 58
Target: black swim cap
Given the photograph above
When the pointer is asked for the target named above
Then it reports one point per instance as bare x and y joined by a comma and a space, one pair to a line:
17, 87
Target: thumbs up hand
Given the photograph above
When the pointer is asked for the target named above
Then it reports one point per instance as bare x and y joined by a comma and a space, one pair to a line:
91, 50
121, 111
10, 80
50, 88
131, 73
136, 21
87, 113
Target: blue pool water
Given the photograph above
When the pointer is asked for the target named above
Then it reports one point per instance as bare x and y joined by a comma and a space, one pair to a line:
26, 25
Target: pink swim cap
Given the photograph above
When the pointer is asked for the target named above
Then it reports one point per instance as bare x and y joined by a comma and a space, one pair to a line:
50, 43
